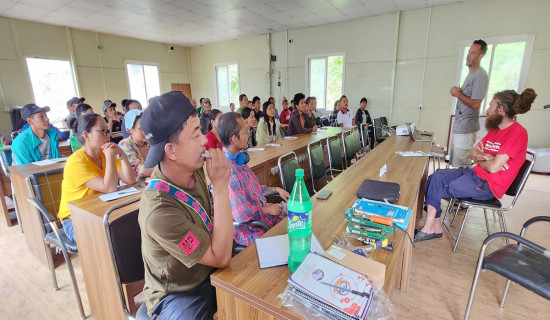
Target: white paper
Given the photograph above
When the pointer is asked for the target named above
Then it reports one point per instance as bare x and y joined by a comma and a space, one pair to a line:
119, 194
412, 153
273, 251
44, 162
273, 144
290, 138
255, 149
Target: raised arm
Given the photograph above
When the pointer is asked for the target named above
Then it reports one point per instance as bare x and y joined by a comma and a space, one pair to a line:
218, 254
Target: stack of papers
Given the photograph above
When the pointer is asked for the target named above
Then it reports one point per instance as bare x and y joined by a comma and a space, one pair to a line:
331, 289
412, 153
255, 149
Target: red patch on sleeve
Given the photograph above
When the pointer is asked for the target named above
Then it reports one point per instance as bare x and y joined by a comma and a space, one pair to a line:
189, 243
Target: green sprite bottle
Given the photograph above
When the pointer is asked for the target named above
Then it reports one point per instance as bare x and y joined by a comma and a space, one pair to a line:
75, 145
299, 222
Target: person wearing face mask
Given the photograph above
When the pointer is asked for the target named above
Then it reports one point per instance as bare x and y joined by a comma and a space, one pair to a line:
40, 142
268, 127
96, 167
135, 146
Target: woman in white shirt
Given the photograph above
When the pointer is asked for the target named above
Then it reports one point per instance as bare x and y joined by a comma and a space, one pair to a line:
268, 127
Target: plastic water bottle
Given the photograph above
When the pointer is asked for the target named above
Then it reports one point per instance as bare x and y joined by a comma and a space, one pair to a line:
299, 222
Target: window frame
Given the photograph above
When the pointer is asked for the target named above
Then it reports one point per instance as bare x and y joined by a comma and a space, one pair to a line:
226, 64
71, 68
529, 40
142, 63
325, 56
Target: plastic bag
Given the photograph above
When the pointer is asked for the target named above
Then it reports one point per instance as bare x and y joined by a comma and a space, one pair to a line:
380, 308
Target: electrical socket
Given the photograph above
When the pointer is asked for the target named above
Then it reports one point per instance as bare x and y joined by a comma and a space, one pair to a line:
6, 109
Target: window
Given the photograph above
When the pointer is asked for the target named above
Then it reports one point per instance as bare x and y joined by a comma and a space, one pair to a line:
227, 84
506, 62
52, 85
326, 79
143, 80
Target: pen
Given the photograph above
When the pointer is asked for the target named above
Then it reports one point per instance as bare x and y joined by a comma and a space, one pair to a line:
361, 294
204, 155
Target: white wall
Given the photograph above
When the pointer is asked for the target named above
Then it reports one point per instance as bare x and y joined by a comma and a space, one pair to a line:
43, 40
369, 45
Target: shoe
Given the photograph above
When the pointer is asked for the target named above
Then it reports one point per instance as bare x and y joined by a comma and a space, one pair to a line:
438, 235
421, 236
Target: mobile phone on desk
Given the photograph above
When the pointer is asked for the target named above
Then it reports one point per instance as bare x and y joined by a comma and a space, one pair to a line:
324, 194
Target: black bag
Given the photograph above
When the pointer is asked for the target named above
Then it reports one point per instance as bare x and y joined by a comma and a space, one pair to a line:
379, 190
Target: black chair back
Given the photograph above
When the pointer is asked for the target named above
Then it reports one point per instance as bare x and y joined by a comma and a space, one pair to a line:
126, 242
523, 173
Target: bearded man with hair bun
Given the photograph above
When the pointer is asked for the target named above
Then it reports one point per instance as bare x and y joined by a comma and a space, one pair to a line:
497, 158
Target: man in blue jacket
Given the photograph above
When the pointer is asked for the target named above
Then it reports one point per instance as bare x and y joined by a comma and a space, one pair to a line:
38, 143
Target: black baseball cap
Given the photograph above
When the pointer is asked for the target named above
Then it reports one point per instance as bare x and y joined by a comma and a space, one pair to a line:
30, 109
164, 115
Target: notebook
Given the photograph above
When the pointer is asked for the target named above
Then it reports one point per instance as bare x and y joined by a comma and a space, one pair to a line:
369, 207
273, 251
314, 281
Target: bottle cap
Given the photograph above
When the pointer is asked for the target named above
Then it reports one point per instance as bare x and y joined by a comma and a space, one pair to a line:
299, 173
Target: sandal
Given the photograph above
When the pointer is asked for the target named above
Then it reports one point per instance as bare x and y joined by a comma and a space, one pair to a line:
421, 236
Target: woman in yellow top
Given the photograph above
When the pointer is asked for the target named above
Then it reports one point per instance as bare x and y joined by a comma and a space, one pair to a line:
96, 167
268, 127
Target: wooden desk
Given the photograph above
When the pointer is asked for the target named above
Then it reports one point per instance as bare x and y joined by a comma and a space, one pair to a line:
244, 291
262, 162
93, 250
29, 219
64, 148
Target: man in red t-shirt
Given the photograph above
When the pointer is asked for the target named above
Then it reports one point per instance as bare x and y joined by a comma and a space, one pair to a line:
498, 158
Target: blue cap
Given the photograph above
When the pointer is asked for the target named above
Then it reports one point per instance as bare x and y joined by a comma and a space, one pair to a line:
130, 118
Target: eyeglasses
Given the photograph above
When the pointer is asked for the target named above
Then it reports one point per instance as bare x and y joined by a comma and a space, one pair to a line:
247, 132
104, 131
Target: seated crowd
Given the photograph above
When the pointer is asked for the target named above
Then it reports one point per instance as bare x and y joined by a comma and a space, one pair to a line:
177, 144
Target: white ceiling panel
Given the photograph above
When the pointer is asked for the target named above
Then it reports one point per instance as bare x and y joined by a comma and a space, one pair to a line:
195, 22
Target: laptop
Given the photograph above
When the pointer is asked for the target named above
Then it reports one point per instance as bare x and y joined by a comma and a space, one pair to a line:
419, 137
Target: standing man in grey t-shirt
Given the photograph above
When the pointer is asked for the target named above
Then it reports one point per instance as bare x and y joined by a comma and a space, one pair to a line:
470, 96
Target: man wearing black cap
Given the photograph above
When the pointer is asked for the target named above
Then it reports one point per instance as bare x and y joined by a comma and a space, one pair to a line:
38, 143
182, 243
71, 106
113, 119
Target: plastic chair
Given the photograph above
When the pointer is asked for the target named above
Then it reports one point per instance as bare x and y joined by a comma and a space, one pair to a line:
58, 240
351, 145
334, 155
317, 166
526, 263
287, 170
124, 240
5, 161
494, 204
